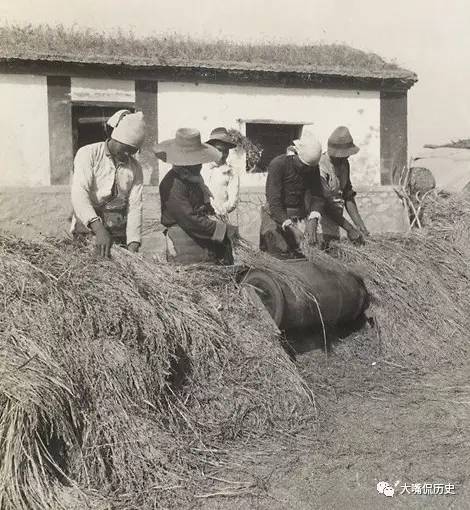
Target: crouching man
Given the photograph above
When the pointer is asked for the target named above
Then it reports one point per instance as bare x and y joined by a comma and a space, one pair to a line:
193, 235
107, 188
293, 195
338, 190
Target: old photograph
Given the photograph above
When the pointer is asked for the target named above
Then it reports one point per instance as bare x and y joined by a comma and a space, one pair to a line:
234, 255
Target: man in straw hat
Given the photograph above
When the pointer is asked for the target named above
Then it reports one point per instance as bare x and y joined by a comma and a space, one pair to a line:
338, 190
294, 197
192, 234
107, 188
220, 178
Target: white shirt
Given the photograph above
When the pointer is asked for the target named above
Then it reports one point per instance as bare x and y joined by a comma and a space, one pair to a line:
93, 179
224, 185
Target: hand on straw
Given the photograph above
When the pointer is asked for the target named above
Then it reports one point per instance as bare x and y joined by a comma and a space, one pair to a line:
103, 239
356, 236
311, 226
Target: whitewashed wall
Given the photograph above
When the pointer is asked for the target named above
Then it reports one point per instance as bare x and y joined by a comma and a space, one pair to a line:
206, 106
24, 130
100, 89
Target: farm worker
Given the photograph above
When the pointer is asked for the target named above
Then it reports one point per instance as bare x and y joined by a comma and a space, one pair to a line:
338, 190
219, 176
193, 234
294, 196
107, 188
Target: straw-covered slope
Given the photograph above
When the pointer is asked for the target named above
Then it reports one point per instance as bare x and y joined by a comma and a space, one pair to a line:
124, 381
125, 377
420, 285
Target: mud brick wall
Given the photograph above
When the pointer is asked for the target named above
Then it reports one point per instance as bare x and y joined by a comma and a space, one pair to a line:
35, 213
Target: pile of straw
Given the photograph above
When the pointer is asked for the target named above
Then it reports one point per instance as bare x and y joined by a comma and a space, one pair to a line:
122, 381
419, 284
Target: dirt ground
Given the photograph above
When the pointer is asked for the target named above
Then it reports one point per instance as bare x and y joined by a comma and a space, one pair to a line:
376, 423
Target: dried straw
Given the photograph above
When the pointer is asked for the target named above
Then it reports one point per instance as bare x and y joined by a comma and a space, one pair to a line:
419, 283
125, 381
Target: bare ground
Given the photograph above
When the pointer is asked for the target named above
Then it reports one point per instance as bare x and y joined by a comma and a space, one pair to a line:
376, 423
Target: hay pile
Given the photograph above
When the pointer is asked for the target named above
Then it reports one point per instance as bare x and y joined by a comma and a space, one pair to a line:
122, 381
420, 287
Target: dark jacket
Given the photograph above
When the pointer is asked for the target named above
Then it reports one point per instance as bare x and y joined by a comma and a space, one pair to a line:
181, 201
292, 185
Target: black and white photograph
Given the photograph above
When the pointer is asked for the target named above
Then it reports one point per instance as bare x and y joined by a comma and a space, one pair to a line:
234, 255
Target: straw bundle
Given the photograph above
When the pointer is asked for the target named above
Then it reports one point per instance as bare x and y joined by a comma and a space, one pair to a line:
419, 284
122, 380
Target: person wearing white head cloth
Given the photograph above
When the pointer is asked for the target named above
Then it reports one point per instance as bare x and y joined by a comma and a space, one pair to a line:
107, 187
293, 195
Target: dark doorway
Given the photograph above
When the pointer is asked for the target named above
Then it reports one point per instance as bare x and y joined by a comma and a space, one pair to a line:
89, 122
273, 138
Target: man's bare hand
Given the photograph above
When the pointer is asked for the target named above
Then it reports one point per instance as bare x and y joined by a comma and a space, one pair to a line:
356, 236
103, 240
311, 236
133, 247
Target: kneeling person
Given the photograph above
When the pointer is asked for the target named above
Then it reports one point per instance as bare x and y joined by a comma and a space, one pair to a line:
193, 234
293, 194
338, 190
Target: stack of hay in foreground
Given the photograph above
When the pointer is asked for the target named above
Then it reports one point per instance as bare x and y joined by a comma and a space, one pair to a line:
123, 380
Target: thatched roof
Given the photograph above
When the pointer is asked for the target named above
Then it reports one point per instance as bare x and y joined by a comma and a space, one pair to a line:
65, 45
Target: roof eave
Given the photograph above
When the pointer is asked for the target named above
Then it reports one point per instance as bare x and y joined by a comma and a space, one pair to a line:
402, 80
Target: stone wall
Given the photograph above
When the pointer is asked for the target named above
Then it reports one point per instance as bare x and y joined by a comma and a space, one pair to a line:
36, 213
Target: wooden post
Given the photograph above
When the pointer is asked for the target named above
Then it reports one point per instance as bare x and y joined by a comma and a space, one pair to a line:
393, 135
146, 100
60, 129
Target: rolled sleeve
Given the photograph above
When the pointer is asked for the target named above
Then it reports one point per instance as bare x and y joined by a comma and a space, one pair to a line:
81, 183
314, 197
135, 208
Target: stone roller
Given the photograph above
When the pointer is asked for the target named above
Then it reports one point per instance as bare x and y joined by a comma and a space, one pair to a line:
341, 296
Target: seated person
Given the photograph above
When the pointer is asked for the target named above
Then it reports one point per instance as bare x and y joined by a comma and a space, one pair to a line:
193, 235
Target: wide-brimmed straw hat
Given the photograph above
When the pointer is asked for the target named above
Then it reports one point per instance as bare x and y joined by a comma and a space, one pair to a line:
341, 144
186, 149
220, 134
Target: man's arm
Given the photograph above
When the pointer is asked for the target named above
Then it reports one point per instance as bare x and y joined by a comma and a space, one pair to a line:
351, 207
134, 210
83, 208
314, 196
82, 180
330, 209
274, 195
201, 227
